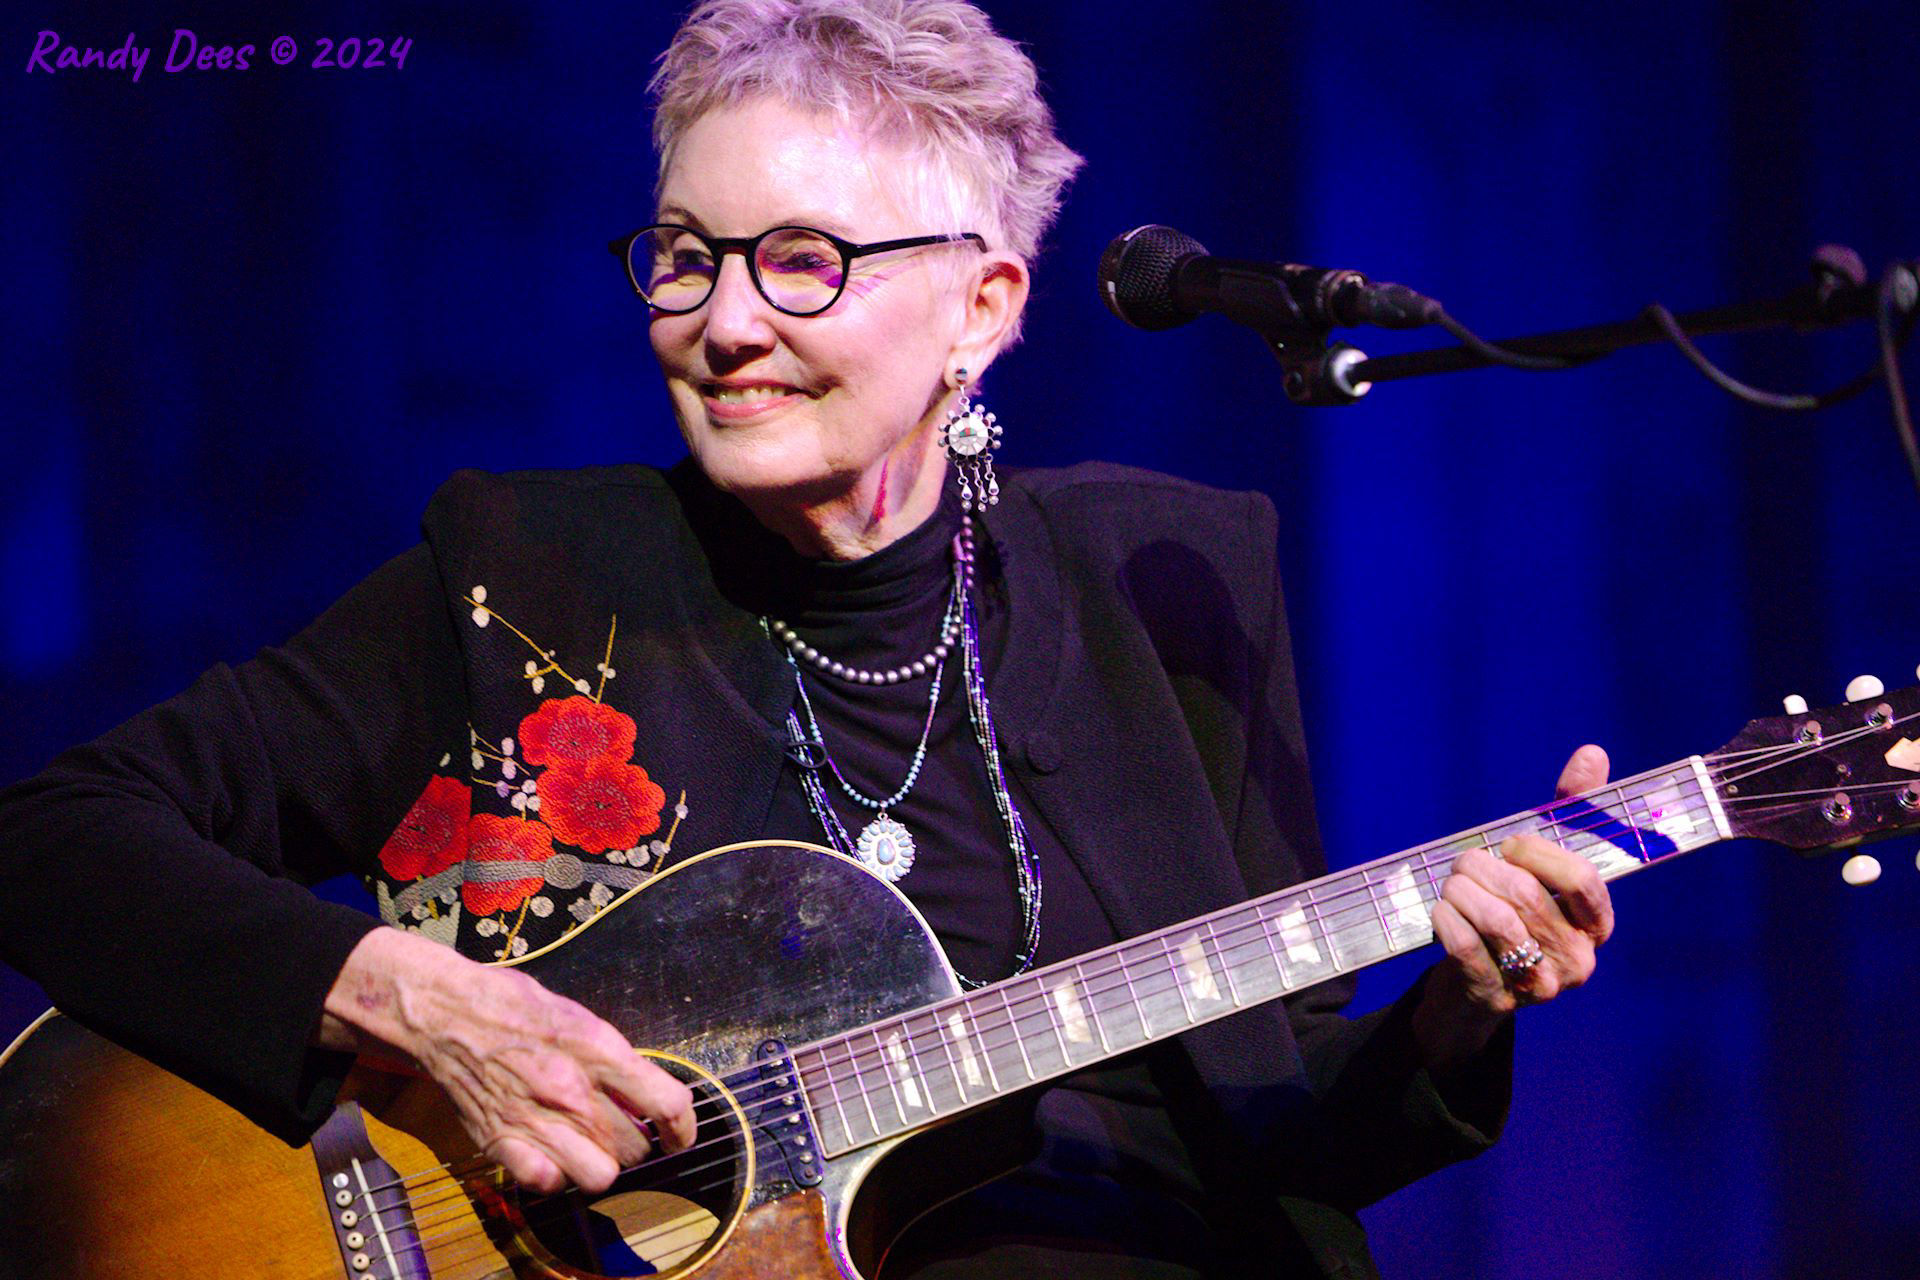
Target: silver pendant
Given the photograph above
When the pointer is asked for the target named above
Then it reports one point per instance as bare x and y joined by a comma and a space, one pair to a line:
885, 848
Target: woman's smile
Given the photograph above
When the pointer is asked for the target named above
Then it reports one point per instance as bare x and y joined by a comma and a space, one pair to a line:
733, 403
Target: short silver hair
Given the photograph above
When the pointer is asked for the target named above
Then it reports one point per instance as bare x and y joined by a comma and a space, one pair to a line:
931, 74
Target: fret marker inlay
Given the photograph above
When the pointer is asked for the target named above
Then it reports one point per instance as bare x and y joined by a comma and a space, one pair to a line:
1405, 911
1199, 975
903, 1071
969, 1065
1072, 1016
1297, 936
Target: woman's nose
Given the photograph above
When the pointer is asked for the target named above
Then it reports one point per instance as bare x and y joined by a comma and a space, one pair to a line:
737, 316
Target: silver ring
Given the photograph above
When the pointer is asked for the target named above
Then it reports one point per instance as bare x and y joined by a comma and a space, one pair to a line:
1519, 960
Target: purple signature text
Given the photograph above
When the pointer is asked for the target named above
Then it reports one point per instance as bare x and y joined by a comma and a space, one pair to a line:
188, 52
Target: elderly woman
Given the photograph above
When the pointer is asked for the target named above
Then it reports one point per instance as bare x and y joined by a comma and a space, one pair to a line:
832, 623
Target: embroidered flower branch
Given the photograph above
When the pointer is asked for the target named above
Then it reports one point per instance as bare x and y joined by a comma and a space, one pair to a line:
536, 672
571, 780
654, 855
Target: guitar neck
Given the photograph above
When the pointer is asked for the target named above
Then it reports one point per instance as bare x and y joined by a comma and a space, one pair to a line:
904, 1073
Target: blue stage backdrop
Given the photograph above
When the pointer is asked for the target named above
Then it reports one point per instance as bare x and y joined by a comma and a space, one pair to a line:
254, 317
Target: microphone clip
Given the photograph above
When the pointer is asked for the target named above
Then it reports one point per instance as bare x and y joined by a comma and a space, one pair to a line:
1314, 372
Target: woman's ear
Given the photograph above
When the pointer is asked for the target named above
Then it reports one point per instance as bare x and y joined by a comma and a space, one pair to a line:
993, 305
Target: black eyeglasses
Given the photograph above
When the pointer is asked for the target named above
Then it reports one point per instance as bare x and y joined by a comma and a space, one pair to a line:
799, 270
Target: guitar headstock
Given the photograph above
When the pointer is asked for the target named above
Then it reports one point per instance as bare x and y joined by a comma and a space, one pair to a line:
1828, 777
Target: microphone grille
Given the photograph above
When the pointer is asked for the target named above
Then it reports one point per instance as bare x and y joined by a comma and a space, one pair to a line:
1136, 276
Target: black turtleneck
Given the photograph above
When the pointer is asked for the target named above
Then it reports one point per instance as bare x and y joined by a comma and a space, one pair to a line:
1112, 1172
881, 612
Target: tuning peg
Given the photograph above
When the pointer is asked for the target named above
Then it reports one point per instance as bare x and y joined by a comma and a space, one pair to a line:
1860, 688
1795, 704
1861, 868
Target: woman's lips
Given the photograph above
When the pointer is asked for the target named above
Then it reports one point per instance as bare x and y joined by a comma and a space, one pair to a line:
728, 402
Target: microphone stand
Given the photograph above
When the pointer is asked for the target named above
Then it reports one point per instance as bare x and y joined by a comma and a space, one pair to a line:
1319, 374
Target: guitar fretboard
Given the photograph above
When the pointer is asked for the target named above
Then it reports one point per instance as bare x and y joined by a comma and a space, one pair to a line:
900, 1074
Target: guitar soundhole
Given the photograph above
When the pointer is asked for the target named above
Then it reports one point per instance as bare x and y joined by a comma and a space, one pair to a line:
663, 1216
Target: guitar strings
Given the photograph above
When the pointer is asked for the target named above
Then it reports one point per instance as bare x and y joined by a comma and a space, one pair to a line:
863, 1060
1772, 798
448, 1240
1824, 744
1015, 1017
1012, 1023
1156, 981
1422, 857
660, 1165
1795, 745
460, 1231
659, 1170
1424, 863
1816, 746
737, 1080
437, 1213
459, 1171
418, 1183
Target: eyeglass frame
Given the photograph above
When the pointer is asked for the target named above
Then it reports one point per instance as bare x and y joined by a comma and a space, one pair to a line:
748, 247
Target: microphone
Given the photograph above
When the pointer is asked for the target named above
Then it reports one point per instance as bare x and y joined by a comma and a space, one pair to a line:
1155, 277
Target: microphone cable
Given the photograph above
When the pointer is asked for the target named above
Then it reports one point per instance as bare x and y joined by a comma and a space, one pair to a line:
1894, 314
1155, 277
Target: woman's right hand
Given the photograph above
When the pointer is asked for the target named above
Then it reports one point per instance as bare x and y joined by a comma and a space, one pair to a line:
544, 1086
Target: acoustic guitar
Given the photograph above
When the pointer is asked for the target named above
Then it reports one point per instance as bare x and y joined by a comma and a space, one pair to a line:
812, 1011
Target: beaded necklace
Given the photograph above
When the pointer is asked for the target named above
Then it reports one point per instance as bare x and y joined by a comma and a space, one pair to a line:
884, 846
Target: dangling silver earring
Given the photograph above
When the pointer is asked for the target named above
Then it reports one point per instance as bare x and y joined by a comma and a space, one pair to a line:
969, 436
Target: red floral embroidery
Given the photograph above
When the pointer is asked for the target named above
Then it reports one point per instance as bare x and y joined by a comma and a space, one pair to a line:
575, 730
491, 839
433, 835
601, 805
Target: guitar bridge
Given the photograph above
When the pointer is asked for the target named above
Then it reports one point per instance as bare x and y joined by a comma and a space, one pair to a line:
366, 1201
779, 1106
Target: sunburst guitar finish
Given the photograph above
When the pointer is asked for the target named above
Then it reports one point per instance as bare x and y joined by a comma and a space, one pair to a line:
113, 1167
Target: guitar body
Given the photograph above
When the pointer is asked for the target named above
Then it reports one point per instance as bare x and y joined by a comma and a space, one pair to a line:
115, 1168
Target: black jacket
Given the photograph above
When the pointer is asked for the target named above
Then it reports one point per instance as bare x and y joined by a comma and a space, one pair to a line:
1146, 705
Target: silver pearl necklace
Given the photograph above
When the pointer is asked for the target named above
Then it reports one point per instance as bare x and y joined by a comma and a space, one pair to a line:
800, 651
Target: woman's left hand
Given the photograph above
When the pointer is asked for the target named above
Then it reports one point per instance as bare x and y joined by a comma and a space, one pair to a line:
1535, 899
